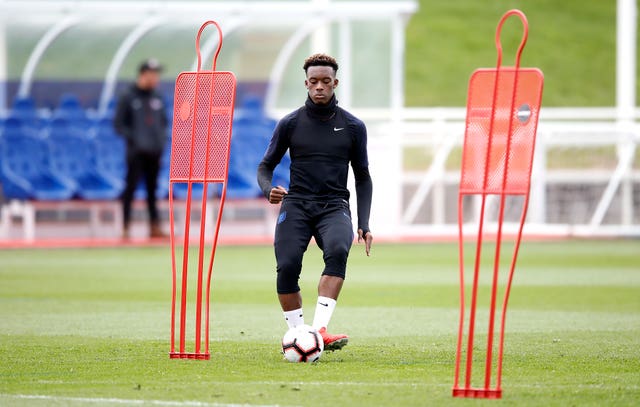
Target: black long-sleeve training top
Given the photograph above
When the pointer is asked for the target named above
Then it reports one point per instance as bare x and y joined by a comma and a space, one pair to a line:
322, 140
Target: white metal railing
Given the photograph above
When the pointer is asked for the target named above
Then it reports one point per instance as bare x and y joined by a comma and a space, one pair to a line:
423, 202
440, 131
399, 210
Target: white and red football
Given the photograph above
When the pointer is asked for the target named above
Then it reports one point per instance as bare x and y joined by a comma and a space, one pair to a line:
302, 344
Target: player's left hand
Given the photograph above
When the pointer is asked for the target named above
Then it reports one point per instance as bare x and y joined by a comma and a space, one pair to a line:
368, 239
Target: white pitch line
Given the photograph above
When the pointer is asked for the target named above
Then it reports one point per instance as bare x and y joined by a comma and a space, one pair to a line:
104, 400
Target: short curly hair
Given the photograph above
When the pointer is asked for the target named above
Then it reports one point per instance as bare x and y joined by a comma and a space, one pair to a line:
320, 60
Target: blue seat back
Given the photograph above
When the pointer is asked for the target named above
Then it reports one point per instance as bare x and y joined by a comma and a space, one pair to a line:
252, 131
70, 110
12, 126
70, 155
69, 107
60, 127
23, 155
109, 150
249, 142
24, 109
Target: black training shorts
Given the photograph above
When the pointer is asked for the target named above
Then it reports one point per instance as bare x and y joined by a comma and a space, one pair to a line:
299, 220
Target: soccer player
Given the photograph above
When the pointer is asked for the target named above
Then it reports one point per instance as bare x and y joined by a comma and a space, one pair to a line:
322, 140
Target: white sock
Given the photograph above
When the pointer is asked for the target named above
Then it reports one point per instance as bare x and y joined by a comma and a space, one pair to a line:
324, 310
294, 318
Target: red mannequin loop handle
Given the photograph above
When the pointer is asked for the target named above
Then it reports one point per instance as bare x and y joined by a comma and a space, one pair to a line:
215, 56
525, 34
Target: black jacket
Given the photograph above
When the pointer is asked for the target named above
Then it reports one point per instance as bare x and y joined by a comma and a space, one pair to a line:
322, 141
141, 119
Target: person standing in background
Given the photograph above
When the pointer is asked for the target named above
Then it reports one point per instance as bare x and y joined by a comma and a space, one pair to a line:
141, 120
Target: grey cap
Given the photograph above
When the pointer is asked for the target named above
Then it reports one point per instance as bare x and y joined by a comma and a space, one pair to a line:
150, 64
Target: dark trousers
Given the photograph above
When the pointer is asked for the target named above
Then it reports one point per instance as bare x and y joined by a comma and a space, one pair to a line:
141, 165
328, 222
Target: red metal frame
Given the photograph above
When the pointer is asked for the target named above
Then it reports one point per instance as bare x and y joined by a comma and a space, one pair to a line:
496, 160
191, 141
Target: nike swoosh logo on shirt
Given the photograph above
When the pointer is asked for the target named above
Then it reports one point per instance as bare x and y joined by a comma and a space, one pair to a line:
338, 128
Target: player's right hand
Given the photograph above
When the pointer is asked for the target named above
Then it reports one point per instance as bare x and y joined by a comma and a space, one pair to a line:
277, 194
368, 239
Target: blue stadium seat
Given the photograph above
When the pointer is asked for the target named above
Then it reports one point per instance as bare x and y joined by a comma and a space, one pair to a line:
23, 173
60, 127
73, 157
163, 178
168, 107
12, 126
246, 153
69, 107
110, 152
24, 109
70, 110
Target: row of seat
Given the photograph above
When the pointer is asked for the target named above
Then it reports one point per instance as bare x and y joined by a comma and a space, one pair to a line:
69, 108
64, 158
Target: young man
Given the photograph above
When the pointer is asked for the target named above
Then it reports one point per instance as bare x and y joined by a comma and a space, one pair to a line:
322, 140
141, 119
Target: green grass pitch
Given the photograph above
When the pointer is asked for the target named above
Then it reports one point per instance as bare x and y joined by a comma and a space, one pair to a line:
91, 327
